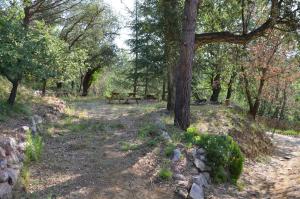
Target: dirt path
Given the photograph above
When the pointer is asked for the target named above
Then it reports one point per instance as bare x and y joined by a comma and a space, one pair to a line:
277, 177
89, 163
83, 159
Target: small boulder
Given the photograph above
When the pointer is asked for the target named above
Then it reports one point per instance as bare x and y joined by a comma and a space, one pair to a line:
5, 191
200, 164
176, 155
207, 176
2, 153
12, 175
166, 136
182, 183
200, 180
179, 176
3, 163
183, 193
3, 176
12, 159
196, 192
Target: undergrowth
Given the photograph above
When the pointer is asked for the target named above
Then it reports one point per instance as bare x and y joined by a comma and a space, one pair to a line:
223, 154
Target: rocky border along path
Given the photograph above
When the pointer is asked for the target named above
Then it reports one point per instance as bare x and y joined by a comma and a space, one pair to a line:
277, 177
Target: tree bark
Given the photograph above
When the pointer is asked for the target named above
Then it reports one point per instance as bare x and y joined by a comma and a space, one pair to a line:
184, 68
216, 88
171, 35
281, 115
230, 84
87, 82
44, 87
253, 111
13, 93
163, 95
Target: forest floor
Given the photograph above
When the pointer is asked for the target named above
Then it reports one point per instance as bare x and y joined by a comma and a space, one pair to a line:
95, 153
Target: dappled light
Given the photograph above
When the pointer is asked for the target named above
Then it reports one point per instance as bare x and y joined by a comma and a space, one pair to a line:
149, 99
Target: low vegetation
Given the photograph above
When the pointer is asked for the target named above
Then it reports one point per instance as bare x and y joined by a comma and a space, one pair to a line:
223, 154
165, 174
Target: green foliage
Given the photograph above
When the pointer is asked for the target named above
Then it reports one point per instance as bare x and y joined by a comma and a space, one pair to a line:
191, 135
224, 157
126, 146
148, 131
165, 174
169, 149
34, 147
290, 132
25, 176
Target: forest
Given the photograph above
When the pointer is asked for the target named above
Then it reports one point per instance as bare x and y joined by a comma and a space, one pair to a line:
149, 99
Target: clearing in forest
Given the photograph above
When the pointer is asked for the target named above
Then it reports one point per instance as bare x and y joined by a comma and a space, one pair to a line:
95, 152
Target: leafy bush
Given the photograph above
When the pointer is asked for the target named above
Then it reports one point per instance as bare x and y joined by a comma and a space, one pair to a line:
191, 135
223, 156
165, 174
34, 147
169, 149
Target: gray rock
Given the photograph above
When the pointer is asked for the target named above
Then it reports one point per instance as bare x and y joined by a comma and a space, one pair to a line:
9, 145
3, 163
179, 176
160, 124
183, 193
166, 136
5, 191
182, 183
21, 146
12, 175
200, 180
2, 153
196, 192
24, 129
197, 153
12, 159
200, 164
3, 176
176, 155
207, 176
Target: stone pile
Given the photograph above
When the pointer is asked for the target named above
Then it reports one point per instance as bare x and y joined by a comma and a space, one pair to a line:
11, 158
192, 186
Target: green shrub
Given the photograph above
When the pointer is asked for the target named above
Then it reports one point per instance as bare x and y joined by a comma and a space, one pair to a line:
191, 135
34, 147
169, 149
148, 130
165, 174
223, 156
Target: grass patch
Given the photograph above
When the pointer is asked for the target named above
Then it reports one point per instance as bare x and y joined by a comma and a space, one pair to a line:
148, 131
165, 174
288, 132
34, 147
126, 146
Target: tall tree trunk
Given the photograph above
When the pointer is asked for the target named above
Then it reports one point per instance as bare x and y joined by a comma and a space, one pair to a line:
253, 111
171, 37
44, 87
184, 68
216, 88
230, 84
146, 83
87, 82
281, 116
163, 95
171, 84
13, 93
135, 80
